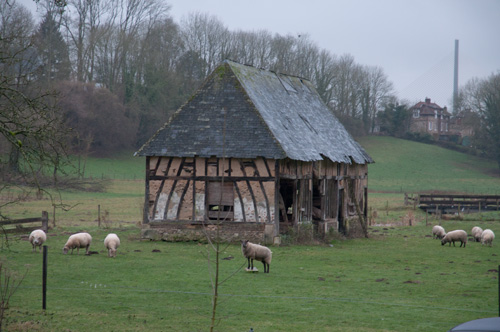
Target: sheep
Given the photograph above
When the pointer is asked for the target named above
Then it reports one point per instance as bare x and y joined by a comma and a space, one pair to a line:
112, 242
487, 237
253, 251
438, 232
37, 238
476, 233
457, 235
78, 240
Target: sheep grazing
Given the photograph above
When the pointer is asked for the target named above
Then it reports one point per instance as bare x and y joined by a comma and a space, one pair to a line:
37, 238
476, 233
457, 235
438, 232
253, 251
487, 237
112, 242
78, 240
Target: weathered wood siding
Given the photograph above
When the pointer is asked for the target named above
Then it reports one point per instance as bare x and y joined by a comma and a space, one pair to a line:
178, 189
326, 179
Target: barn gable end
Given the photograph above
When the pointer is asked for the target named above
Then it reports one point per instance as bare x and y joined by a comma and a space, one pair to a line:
252, 153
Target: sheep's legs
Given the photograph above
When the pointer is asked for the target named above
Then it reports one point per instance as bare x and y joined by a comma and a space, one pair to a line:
266, 271
249, 259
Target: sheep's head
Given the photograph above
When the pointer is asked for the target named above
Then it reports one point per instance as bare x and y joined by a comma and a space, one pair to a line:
244, 243
112, 252
65, 250
442, 241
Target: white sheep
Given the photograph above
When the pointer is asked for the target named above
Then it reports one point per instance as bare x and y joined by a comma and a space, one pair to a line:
457, 235
253, 251
37, 238
112, 242
78, 240
487, 237
438, 232
476, 233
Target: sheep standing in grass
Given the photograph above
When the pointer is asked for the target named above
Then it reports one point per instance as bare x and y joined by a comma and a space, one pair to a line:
438, 232
457, 235
37, 238
78, 240
476, 233
112, 242
253, 251
487, 237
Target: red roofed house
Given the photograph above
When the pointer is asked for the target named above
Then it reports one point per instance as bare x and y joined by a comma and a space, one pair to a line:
428, 117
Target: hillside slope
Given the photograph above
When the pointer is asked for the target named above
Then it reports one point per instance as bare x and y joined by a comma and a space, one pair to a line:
407, 166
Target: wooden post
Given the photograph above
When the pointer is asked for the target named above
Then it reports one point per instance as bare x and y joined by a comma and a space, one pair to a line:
44, 279
99, 215
53, 215
45, 221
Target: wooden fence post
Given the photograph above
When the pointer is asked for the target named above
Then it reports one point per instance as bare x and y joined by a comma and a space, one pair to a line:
99, 215
54, 215
45, 221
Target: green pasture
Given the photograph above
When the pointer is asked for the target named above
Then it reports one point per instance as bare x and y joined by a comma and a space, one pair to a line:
399, 279
405, 166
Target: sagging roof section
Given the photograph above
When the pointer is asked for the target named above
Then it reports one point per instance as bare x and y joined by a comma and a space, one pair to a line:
266, 114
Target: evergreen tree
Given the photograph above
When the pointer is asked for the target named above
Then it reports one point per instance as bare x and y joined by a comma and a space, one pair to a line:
52, 51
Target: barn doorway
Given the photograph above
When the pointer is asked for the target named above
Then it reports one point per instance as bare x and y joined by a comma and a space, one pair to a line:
288, 187
340, 210
317, 199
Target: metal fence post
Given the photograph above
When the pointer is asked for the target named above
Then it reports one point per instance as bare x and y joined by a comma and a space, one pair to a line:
44, 279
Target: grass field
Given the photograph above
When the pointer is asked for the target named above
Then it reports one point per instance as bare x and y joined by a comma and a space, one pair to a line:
406, 166
400, 279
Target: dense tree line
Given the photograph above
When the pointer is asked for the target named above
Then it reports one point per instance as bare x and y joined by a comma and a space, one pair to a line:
121, 67
134, 50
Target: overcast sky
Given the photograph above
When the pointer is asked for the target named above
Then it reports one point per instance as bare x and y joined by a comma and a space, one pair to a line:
412, 41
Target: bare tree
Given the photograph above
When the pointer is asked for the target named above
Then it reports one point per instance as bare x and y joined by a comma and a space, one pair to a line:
324, 75
208, 37
84, 23
375, 92
31, 129
282, 48
483, 97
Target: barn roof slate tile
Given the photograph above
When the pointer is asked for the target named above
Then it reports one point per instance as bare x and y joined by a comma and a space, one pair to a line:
244, 112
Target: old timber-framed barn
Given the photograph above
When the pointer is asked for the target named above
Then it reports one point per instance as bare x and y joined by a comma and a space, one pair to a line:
252, 153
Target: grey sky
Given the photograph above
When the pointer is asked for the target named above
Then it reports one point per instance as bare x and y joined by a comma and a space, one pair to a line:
413, 41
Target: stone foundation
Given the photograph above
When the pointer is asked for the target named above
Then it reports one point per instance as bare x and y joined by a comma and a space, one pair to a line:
195, 231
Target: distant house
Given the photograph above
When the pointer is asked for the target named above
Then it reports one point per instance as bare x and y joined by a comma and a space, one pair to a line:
250, 154
430, 118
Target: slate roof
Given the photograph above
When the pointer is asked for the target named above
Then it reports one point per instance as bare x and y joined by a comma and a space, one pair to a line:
244, 112
429, 108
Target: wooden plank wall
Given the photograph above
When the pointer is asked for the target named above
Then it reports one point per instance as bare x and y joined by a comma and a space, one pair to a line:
333, 177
